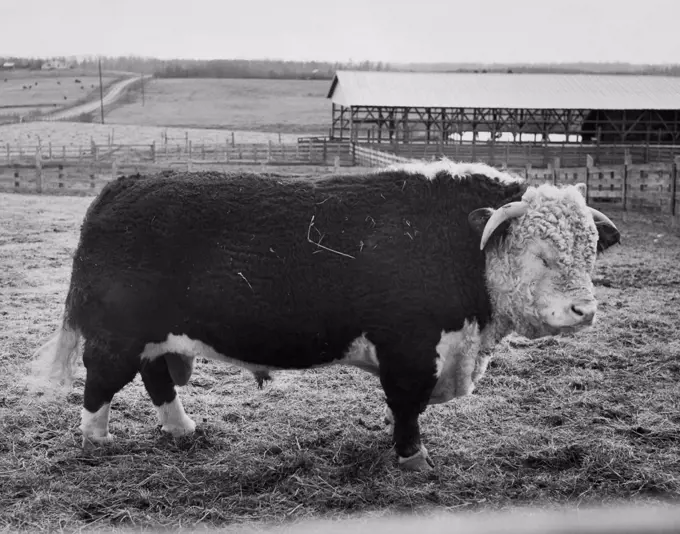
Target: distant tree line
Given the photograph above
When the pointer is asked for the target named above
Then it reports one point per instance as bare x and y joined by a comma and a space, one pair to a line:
323, 70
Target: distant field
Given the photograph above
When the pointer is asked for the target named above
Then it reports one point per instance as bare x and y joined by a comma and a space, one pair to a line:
23, 91
287, 106
80, 134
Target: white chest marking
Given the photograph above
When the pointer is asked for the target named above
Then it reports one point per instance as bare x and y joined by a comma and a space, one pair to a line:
461, 362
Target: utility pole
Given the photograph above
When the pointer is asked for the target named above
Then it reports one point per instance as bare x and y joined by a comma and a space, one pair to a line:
101, 90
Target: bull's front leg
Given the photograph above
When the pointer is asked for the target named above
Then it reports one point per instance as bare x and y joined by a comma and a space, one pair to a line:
407, 376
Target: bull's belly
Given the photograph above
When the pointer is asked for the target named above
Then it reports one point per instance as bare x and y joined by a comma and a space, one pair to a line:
181, 351
460, 360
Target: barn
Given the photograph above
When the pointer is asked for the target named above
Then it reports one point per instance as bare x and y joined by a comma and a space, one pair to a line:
506, 111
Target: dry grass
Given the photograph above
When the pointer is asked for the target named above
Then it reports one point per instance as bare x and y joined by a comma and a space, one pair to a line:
287, 106
48, 89
80, 134
566, 421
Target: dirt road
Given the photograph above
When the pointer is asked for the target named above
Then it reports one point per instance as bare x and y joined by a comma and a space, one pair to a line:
114, 92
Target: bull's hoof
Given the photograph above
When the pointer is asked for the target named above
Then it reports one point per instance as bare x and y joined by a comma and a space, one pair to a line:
187, 426
420, 461
89, 442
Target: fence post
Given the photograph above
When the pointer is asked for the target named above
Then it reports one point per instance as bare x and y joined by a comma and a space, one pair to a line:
556, 169
589, 164
114, 169
38, 171
8, 157
17, 180
627, 160
527, 170
153, 151
233, 139
50, 149
674, 183
60, 177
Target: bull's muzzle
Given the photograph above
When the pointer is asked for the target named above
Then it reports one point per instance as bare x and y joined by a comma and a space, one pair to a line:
570, 316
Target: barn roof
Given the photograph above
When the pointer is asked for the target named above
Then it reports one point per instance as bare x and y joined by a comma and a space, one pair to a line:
504, 90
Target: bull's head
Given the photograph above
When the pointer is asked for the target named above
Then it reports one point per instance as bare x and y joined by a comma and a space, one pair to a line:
540, 257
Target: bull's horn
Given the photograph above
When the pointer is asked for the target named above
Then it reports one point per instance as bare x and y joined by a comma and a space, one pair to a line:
600, 217
502, 214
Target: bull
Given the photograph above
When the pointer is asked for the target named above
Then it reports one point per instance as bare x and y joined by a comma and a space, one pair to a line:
413, 273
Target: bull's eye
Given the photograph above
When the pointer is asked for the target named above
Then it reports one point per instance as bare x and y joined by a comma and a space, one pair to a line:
544, 260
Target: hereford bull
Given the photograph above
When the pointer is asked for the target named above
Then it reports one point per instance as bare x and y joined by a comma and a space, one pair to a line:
411, 273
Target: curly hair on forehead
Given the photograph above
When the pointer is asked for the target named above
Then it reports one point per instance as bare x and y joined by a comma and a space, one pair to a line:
560, 215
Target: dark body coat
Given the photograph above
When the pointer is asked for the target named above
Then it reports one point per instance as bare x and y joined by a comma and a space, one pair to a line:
237, 263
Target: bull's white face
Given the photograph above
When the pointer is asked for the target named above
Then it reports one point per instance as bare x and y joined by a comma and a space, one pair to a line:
540, 275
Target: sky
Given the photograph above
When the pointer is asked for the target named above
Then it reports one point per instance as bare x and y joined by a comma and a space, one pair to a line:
395, 31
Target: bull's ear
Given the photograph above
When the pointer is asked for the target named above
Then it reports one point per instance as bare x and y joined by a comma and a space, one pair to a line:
478, 219
608, 233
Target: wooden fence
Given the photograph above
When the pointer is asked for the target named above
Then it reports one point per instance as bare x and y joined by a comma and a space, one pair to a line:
635, 187
305, 151
536, 154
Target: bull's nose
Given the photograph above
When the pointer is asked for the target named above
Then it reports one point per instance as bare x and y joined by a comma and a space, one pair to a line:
583, 312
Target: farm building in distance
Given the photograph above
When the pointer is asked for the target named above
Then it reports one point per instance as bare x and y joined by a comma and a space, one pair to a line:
444, 108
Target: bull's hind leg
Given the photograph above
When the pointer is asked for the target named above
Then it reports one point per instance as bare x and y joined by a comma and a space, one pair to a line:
110, 367
407, 377
158, 375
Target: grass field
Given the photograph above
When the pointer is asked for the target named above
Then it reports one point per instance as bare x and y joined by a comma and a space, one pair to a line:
22, 91
287, 106
572, 421
80, 134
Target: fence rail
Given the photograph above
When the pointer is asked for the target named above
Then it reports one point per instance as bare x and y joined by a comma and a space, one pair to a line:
634, 186
536, 154
305, 151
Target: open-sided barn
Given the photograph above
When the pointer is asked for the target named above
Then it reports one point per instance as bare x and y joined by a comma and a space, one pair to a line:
407, 107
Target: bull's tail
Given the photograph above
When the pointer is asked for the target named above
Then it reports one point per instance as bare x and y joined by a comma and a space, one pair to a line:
55, 361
